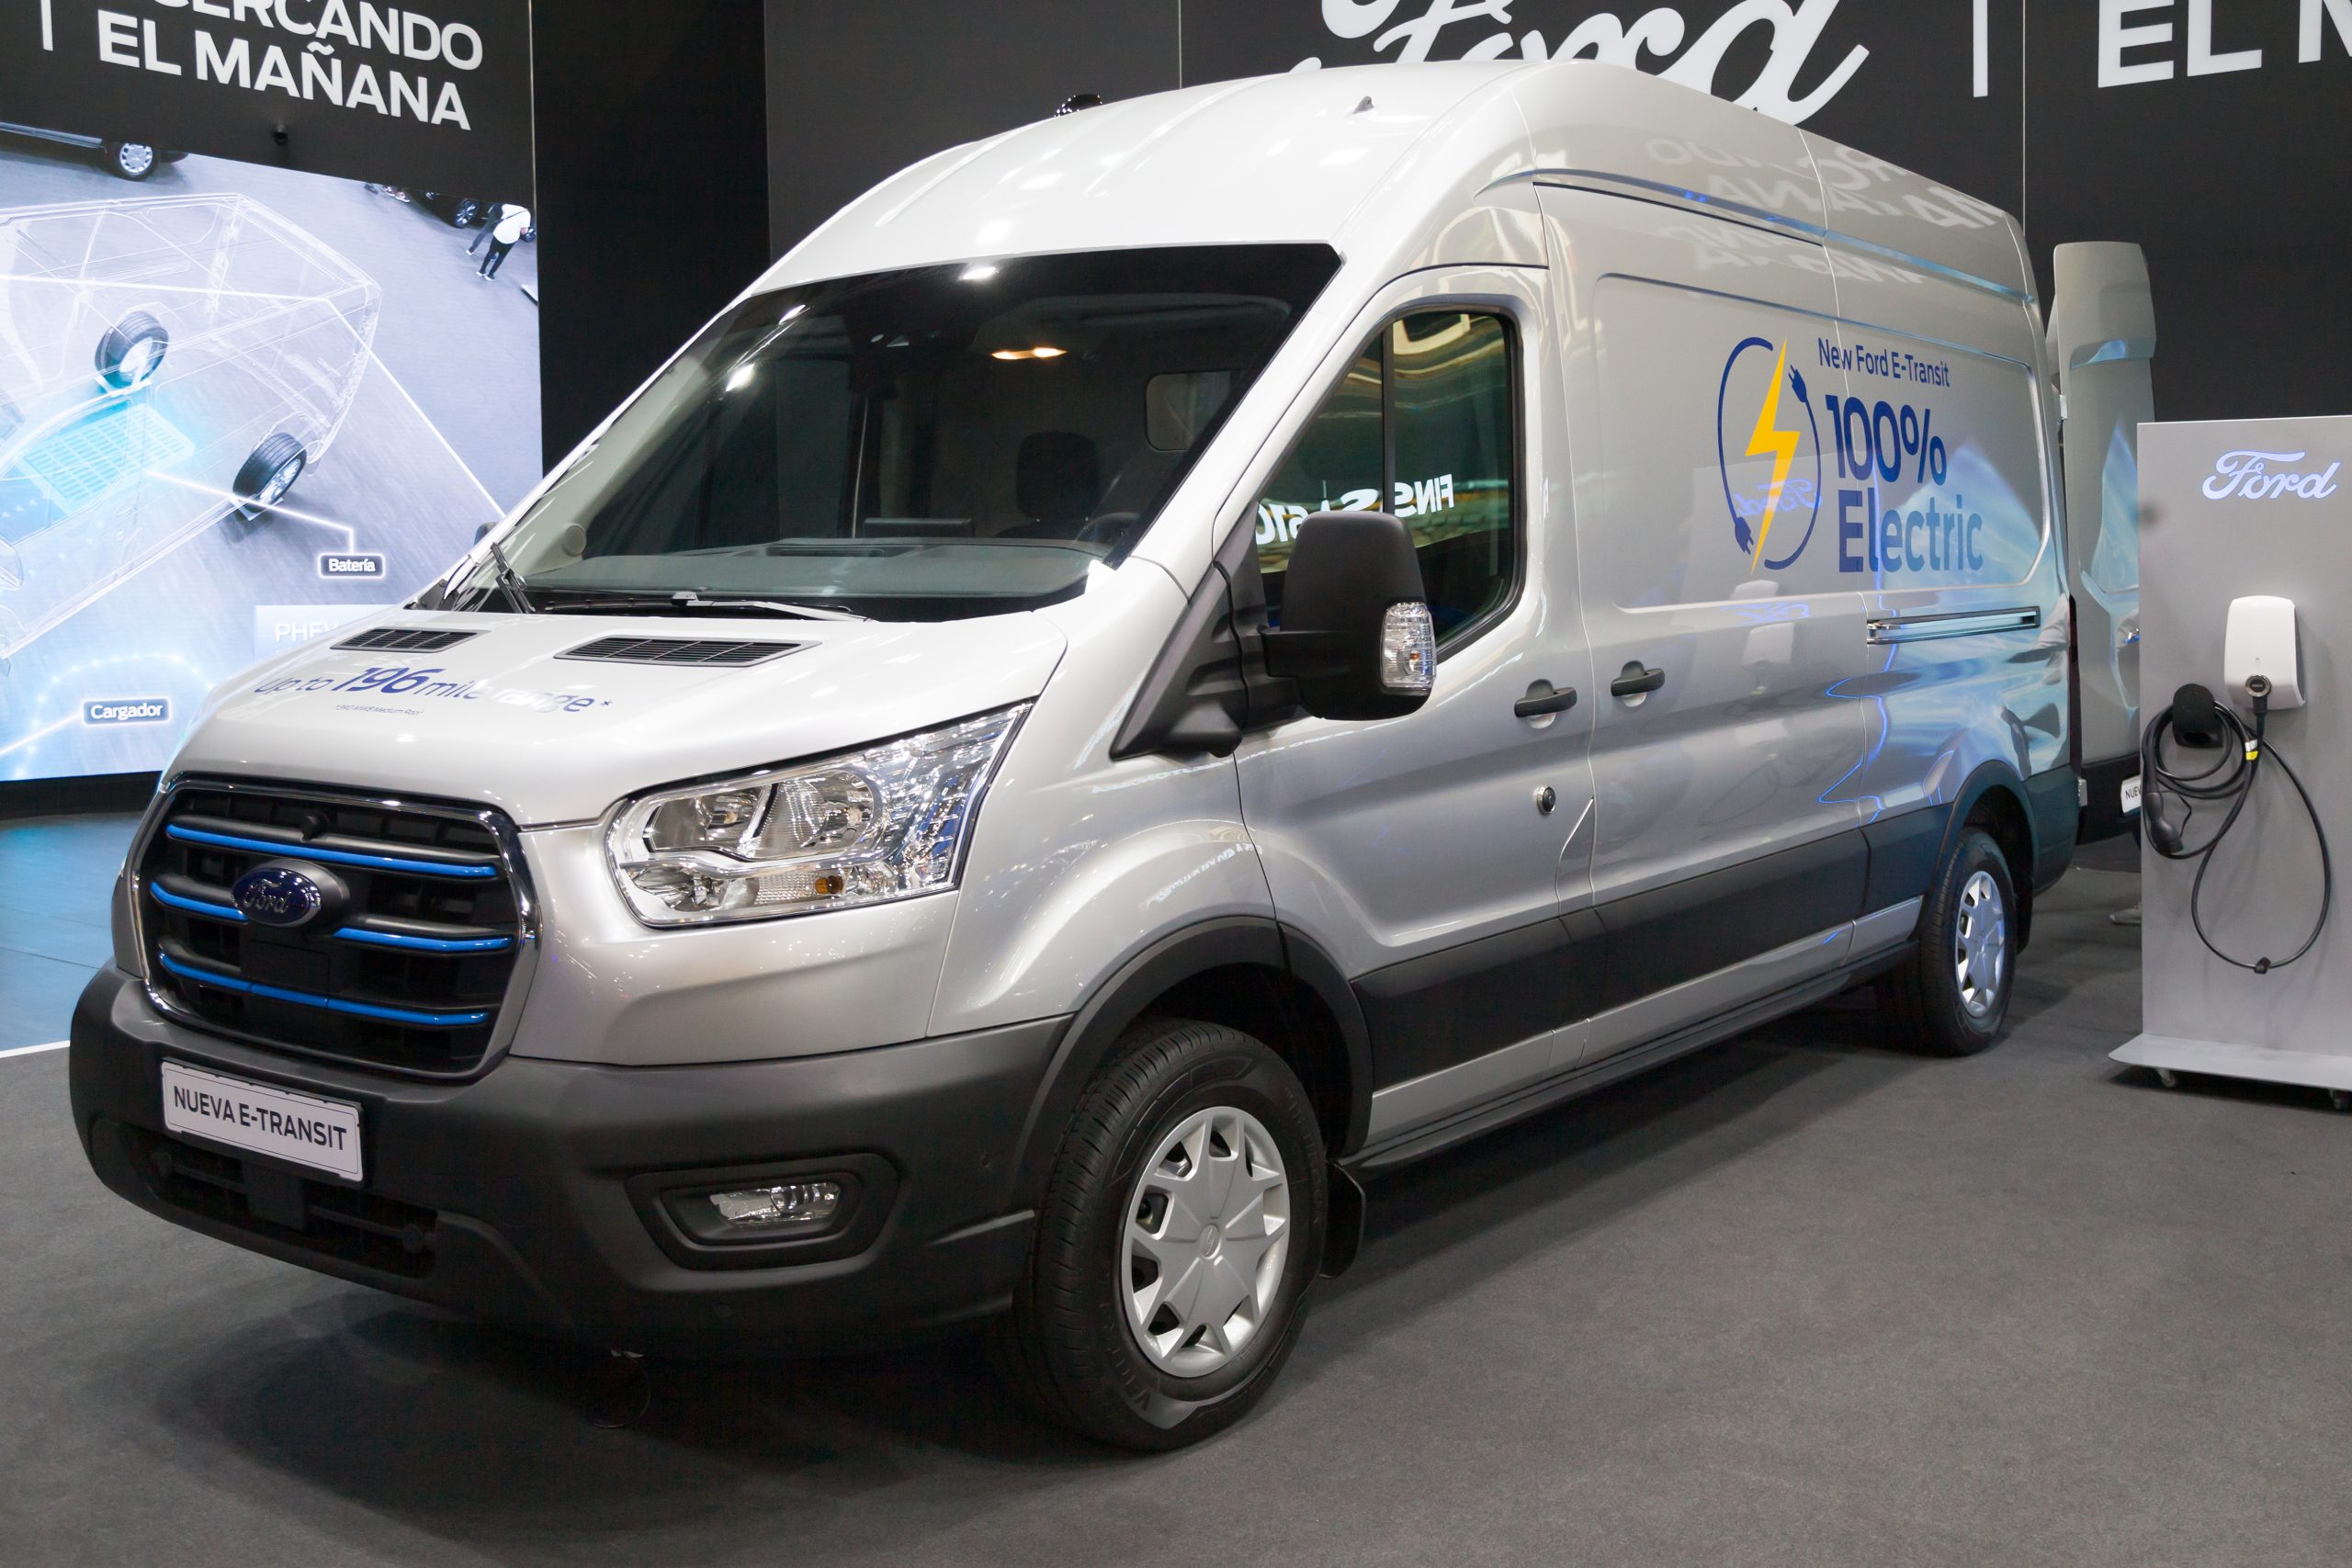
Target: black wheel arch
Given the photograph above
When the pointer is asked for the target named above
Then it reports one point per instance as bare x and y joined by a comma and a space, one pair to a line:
1250, 972
1999, 800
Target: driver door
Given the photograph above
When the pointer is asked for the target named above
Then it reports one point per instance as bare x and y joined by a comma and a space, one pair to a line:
1434, 857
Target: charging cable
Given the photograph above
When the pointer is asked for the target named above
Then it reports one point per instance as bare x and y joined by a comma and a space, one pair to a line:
2197, 720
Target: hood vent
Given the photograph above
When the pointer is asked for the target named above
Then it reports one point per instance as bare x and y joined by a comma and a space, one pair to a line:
405, 640
726, 652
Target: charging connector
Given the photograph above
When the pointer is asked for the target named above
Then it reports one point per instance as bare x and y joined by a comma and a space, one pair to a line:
2197, 720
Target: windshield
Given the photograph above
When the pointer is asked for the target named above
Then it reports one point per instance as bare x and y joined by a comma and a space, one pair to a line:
923, 444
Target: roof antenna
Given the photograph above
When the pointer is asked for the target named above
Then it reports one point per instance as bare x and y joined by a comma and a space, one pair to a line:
1365, 108
1077, 101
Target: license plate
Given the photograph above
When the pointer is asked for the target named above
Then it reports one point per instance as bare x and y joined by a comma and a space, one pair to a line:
2130, 794
264, 1119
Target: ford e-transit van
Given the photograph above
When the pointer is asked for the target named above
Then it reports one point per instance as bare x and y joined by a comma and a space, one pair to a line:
1156, 666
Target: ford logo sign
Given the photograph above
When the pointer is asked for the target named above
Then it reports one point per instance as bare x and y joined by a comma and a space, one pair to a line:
284, 894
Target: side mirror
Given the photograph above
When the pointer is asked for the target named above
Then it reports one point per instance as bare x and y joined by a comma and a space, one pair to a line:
1356, 633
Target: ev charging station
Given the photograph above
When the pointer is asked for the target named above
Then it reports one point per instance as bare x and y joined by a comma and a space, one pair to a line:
2245, 586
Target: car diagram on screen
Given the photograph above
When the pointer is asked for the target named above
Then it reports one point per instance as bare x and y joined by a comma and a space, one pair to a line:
165, 363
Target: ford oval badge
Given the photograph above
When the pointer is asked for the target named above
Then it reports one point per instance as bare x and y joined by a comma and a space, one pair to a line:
278, 895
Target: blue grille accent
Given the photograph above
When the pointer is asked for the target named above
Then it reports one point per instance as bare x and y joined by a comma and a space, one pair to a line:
332, 857
329, 1004
348, 933
427, 944
199, 907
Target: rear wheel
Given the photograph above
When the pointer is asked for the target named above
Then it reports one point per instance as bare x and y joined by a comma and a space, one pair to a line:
1181, 1227
130, 160
268, 474
132, 351
1951, 997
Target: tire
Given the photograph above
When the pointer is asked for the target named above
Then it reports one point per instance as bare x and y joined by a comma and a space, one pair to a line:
1951, 997
1069, 1348
465, 214
268, 474
131, 161
132, 351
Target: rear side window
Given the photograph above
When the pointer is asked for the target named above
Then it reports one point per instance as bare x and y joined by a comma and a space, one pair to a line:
1426, 417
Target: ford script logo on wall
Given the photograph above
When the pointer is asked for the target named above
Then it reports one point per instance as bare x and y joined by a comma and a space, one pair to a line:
1696, 48
2264, 476
282, 895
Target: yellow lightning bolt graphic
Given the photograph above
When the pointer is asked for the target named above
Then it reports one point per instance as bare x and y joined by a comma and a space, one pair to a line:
1770, 440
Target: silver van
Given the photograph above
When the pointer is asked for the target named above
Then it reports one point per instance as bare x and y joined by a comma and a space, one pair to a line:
1157, 666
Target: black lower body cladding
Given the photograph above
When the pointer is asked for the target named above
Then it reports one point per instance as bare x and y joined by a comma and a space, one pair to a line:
534, 1194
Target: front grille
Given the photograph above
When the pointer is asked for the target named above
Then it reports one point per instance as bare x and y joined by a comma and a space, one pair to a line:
409, 973
318, 1216
680, 650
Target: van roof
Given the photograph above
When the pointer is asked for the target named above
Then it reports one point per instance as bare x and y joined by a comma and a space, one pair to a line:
1374, 159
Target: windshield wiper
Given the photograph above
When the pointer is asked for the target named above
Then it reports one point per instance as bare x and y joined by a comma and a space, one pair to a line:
685, 600
510, 580
775, 606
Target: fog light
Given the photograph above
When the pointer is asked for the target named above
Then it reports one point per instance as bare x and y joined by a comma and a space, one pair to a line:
790, 1205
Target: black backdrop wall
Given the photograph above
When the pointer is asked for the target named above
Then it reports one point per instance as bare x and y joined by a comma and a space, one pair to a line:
2211, 134
652, 164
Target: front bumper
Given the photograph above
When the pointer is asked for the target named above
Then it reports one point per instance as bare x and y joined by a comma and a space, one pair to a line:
529, 1196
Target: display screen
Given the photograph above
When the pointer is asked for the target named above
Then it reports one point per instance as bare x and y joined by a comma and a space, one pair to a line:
269, 342
239, 406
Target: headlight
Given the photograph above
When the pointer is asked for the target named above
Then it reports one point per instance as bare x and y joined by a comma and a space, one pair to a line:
888, 822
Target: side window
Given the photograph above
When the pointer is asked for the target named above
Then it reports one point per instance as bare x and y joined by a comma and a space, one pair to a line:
1336, 467
1425, 417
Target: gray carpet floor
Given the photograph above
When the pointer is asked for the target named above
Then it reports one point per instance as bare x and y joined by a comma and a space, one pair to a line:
1798, 1300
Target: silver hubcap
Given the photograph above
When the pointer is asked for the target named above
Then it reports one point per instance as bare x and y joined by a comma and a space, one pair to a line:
135, 158
139, 363
281, 482
1981, 944
1208, 1230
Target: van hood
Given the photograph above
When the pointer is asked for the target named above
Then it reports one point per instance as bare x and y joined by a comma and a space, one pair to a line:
544, 718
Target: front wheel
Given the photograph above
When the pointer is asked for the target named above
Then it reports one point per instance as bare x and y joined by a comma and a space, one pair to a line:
1182, 1224
132, 351
130, 160
268, 474
1951, 997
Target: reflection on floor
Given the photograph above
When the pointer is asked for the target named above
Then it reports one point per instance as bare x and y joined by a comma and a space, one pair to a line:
56, 881
1799, 1299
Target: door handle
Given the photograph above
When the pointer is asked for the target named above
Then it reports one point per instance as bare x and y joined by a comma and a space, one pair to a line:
1634, 681
1542, 700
